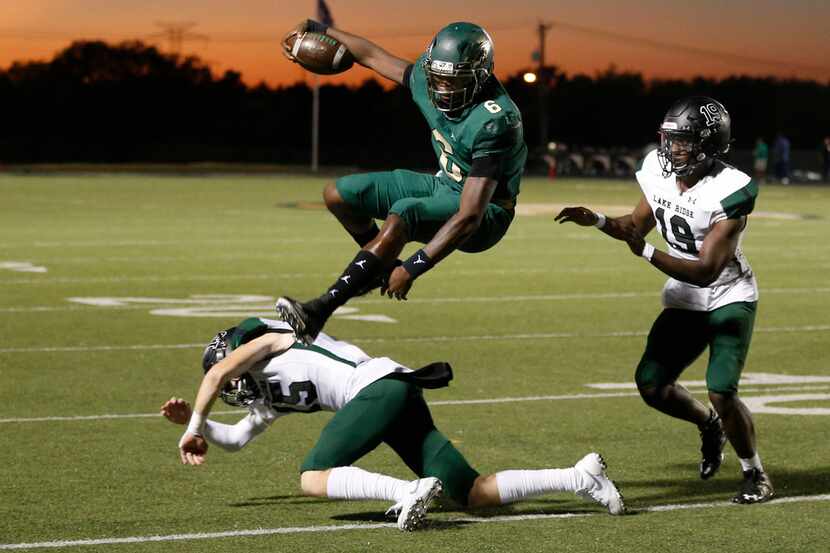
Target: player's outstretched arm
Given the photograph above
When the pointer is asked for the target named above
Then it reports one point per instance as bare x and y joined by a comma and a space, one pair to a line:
228, 437
365, 52
475, 196
192, 446
369, 54
717, 250
637, 223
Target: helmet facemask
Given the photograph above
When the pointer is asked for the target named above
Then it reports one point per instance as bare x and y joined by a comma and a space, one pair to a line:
240, 392
679, 153
452, 89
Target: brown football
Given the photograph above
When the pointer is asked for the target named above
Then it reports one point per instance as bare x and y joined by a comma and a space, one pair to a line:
320, 53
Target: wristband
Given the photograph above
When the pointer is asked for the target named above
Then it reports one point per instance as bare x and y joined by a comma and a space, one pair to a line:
197, 424
418, 264
648, 251
600, 220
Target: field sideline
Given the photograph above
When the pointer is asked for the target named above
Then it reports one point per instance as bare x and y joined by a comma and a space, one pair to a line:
110, 285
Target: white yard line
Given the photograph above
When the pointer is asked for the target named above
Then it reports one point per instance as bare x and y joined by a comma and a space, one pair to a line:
385, 301
475, 338
378, 525
562, 397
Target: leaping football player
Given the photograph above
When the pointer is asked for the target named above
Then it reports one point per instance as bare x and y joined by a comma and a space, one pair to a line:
700, 205
476, 132
258, 364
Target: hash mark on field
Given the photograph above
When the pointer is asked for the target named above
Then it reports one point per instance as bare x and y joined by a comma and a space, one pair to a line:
563, 397
378, 525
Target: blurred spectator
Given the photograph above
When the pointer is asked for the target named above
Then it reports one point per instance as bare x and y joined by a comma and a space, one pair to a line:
825, 155
760, 155
550, 159
782, 158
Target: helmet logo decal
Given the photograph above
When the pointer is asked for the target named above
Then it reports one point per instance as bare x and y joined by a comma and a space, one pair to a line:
711, 113
442, 67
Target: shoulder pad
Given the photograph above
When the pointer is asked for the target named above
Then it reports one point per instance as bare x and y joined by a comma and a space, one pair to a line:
741, 202
498, 131
650, 164
246, 331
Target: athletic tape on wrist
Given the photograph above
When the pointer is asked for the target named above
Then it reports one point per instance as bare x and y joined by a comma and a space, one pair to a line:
196, 425
648, 251
600, 220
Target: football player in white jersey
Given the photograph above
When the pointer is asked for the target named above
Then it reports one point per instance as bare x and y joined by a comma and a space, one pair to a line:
700, 205
259, 365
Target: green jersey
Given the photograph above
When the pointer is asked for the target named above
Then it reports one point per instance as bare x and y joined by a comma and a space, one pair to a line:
492, 128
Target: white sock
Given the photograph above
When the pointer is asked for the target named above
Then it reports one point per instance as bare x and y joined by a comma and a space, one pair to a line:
753, 462
355, 483
515, 485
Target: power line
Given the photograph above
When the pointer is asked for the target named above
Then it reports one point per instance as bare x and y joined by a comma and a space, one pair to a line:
176, 33
657, 44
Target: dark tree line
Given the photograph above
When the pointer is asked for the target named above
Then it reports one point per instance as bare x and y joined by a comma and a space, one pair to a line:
96, 102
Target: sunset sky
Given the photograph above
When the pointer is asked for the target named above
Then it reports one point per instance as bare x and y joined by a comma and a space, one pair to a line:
760, 37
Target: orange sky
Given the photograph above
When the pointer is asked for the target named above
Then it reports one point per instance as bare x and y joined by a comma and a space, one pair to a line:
244, 35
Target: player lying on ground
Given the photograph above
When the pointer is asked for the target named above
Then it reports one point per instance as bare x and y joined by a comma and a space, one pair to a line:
700, 205
476, 133
259, 365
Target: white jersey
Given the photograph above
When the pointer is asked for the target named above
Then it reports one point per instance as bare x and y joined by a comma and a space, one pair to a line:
323, 376
684, 218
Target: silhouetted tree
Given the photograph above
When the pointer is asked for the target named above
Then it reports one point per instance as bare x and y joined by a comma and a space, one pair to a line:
130, 102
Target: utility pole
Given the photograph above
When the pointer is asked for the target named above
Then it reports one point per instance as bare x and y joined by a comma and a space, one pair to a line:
176, 33
543, 88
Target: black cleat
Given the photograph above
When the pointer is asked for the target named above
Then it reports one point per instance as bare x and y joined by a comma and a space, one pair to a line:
756, 488
712, 440
305, 322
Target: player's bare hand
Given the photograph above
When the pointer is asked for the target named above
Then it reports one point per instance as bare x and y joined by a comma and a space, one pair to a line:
192, 449
176, 410
307, 26
400, 281
580, 215
298, 30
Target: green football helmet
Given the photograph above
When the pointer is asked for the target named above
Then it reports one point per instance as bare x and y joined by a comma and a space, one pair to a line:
458, 62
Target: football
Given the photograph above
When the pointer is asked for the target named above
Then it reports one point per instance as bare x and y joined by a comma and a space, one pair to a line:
319, 53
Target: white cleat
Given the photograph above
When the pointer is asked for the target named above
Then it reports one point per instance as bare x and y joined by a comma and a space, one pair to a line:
412, 509
600, 488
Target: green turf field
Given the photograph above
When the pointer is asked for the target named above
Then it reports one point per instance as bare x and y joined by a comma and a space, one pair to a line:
110, 286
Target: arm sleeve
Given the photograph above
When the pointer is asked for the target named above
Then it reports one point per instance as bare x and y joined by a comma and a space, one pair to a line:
233, 437
487, 166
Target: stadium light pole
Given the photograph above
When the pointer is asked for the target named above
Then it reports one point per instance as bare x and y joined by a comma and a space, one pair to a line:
315, 124
543, 88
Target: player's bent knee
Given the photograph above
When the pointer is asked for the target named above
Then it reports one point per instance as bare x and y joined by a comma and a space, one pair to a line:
650, 394
314, 482
723, 402
484, 492
395, 232
332, 197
